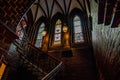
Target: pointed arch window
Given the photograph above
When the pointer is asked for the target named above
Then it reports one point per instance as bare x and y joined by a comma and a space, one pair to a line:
19, 30
78, 32
39, 39
57, 32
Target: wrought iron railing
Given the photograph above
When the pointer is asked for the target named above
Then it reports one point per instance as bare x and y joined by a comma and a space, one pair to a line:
36, 58
46, 62
48, 65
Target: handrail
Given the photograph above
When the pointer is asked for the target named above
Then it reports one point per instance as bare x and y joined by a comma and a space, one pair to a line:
51, 74
47, 63
35, 47
3, 50
7, 27
51, 65
43, 52
3, 53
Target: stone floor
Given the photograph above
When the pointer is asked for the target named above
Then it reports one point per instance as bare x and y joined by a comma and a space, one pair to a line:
79, 66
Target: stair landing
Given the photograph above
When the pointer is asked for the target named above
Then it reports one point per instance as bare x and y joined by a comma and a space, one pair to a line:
79, 66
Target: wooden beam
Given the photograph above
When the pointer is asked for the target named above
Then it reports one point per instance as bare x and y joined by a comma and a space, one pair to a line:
116, 16
109, 11
101, 11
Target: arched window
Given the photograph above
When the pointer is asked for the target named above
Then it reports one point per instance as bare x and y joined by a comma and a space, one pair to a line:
39, 40
19, 32
78, 33
57, 32
20, 27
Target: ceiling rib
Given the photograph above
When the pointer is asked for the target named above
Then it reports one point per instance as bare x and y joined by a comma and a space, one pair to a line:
87, 8
36, 12
52, 9
81, 5
47, 7
59, 6
65, 6
69, 6
41, 8
84, 7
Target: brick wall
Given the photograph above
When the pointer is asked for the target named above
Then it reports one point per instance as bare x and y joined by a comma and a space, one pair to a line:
11, 11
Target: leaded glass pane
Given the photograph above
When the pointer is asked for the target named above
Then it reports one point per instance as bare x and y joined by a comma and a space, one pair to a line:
76, 18
40, 36
57, 37
58, 29
78, 35
57, 34
77, 23
77, 29
38, 43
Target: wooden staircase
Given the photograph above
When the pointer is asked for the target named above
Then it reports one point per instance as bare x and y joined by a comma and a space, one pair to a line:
34, 65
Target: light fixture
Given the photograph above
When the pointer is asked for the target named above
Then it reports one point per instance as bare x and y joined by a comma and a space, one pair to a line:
65, 28
44, 32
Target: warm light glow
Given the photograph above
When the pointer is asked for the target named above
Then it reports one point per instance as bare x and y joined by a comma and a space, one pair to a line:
2, 69
119, 25
66, 40
44, 32
67, 36
65, 28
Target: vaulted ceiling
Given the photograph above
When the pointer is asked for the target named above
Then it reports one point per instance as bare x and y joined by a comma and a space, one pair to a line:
49, 8
11, 11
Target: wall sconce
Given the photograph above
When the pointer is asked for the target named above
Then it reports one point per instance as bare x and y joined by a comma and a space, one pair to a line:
65, 28
44, 32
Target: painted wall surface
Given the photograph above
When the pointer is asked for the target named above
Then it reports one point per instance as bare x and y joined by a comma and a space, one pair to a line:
106, 44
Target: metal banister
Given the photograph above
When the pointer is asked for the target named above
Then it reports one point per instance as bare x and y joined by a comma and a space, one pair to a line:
52, 73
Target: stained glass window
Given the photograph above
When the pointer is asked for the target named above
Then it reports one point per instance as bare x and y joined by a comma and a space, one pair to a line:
78, 33
40, 36
19, 32
20, 27
57, 33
